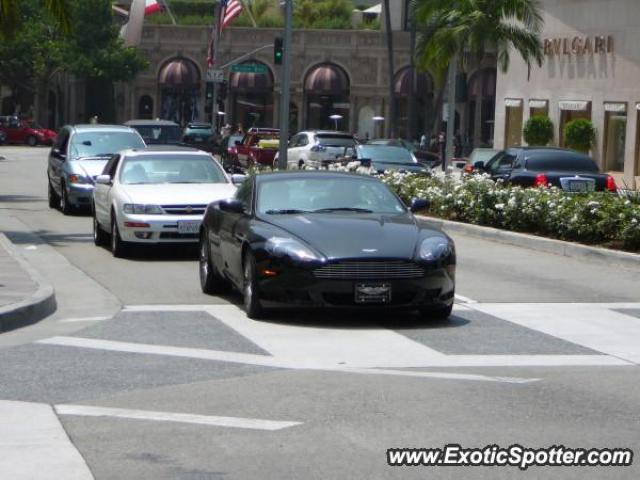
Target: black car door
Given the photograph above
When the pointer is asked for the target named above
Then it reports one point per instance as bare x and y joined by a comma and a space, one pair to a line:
501, 166
233, 232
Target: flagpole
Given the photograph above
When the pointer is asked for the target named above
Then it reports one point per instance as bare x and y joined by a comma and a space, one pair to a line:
248, 10
165, 4
216, 41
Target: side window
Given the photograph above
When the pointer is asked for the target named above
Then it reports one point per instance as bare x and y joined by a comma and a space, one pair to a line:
501, 163
303, 141
294, 141
111, 166
244, 193
518, 162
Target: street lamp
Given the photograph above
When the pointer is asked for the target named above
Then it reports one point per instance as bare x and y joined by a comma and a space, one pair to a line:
335, 118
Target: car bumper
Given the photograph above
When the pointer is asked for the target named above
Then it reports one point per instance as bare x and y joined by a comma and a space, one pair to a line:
79, 194
301, 288
157, 228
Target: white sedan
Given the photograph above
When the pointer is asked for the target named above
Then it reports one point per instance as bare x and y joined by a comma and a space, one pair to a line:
156, 195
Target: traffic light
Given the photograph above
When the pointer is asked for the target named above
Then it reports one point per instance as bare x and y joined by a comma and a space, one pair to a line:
278, 51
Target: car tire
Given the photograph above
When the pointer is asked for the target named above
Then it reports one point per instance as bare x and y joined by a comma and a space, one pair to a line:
52, 196
210, 280
300, 164
99, 235
65, 207
436, 314
31, 140
118, 247
251, 295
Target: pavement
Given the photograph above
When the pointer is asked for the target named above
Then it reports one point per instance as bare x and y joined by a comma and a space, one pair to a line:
139, 375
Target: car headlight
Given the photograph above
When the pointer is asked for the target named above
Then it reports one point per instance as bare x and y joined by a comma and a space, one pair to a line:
74, 178
434, 248
288, 247
138, 208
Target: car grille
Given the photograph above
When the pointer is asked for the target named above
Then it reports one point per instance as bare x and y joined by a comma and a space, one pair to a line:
184, 209
362, 270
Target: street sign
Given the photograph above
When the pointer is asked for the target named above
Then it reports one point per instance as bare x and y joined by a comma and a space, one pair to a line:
249, 68
215, 75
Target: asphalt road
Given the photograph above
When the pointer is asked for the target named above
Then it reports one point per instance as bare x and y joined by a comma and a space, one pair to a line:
152, 379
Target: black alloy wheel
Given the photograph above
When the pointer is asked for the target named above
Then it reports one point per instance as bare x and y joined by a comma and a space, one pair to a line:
210, 280
251, 294
65, 206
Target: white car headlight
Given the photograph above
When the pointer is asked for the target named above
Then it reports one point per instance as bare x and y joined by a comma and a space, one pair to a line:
138, 208
282, 247
434, 248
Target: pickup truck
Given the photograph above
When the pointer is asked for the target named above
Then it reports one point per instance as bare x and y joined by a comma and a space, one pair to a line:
258, 147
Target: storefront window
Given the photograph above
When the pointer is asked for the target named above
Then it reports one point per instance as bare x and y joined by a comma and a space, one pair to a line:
513, 123
538, 108
572, 110
615, 130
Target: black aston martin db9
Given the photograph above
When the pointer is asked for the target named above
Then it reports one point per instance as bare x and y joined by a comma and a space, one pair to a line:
325, 239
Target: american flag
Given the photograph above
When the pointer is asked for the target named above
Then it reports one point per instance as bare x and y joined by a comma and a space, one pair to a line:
230, 10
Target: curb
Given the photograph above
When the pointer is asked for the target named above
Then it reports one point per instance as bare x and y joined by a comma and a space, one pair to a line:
30, 310
542, 244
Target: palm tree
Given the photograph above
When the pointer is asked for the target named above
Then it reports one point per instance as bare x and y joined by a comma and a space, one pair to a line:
10, 15
463, 29
392, 101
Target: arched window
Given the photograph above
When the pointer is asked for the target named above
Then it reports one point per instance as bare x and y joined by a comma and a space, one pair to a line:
252, 96
326, 89
145, 107
179, 82
423, 88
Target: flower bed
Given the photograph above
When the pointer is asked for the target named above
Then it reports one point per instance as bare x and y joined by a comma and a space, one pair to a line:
591, 218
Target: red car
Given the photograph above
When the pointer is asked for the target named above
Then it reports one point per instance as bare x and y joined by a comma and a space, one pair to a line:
25, 132
259, 146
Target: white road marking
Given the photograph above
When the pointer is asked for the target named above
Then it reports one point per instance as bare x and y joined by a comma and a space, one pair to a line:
464, 299
262, 360
595, 326
84, 319
230, 422
34, 445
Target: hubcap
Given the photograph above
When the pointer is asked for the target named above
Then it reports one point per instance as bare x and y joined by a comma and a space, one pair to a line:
248, 287
204, 264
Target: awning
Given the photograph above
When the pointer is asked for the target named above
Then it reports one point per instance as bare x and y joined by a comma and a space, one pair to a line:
618, 107
513, 102
402, 84
538, 103
327, 79
574, 105
181, 72
251, 82
376, 9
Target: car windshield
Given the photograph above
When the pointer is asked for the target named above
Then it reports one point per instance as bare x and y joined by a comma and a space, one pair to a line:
159, 134
386, 154
170, 168
330, 140
103, 143
560, 160
326, 195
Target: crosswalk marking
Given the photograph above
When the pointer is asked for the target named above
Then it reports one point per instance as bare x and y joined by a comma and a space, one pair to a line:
34, 445
209, 420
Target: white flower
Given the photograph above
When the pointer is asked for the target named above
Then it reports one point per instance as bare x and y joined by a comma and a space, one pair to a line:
499, 206
593, 204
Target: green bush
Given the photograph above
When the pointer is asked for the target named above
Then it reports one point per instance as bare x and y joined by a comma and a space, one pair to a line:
580, 134
592, 218
538, 131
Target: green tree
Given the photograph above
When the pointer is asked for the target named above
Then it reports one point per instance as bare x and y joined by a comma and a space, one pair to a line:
538, 131
580, 134
11, 19
466, 29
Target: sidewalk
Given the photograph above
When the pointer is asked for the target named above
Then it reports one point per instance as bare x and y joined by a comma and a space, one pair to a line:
25, 297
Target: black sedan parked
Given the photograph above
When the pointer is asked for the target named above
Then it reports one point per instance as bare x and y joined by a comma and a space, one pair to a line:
543, 166
325, 239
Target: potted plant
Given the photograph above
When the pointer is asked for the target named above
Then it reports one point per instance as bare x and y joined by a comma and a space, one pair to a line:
538, 131
580, 134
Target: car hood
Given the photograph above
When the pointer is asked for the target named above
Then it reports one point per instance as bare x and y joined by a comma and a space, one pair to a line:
353, 235
178, 193
410, 167
91, 167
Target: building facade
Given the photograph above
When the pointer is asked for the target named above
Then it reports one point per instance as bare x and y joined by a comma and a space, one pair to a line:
592, 71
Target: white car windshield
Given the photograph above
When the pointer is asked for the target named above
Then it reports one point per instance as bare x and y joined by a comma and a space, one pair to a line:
103, 143
326, 195
155, 169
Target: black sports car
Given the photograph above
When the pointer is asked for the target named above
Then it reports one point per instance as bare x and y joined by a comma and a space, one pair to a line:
325, 239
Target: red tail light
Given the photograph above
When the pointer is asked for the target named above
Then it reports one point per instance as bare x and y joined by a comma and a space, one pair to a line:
540, 180
468, 169
611, 184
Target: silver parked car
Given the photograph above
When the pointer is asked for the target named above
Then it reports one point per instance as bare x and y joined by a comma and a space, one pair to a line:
78, 156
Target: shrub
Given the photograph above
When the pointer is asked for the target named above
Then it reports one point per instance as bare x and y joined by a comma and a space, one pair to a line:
580, 134
538, 131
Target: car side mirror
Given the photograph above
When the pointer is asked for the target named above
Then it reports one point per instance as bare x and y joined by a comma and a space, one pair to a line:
103, 179
57, 153
231, 205
238, 178
418, 204
479, 165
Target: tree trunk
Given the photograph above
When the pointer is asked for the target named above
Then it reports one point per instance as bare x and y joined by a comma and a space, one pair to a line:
390, 122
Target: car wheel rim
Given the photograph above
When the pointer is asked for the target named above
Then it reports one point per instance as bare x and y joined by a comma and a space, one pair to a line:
95, 228
204, 264
248, 284
63, 199
114, 235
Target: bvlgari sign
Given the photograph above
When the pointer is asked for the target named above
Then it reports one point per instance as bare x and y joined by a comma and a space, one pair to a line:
578, 45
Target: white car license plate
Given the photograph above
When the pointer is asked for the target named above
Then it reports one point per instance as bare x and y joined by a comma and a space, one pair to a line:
189, 226
577, 186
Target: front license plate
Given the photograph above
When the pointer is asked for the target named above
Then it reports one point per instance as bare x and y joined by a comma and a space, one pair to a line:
373, 293
191, 226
